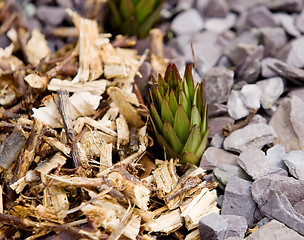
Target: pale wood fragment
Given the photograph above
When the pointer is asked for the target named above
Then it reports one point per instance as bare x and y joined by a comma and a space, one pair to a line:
54, 142
90, 64
96, 87
37, 48
130, 114
166, 223
194, 235
122, 131
36, 81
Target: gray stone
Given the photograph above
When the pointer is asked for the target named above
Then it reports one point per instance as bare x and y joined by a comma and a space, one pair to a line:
260, 16
213, 226
217, 109
275, 156
236, 106
237, 225
272, 89
217, 84
266, 72
51, 15
254, 163
276, 197
234, 238
238, 200
250, 69
274, 230
299, 207
295, 56
201, 5
300, 21
216, 124
142, 83
281, 123
240, 52
299, 92
217, 140
214, 157
221, 25
297, 118
223, 173
188, 22
292, 188
257, 118
273, 40
285, 5
294, 160
287, 23
251, 96
278, 207
253, 136
217, 8
241, 5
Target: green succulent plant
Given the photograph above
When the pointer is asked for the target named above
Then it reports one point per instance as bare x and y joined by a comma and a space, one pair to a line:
179, 115
133, 17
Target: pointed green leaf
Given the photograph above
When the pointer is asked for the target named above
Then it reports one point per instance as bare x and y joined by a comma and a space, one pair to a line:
172, 77
162, 85
126, 8
193, 140
115, 19
129, 27
148, 23
135, 2
156, 118
173, 102
156, 97
143, 9
181, 124
200, 97
199, 152
185, 103
204, 125
188, 157
189, 80
170, 153
171, 137
185, 90
166, 114
195, 117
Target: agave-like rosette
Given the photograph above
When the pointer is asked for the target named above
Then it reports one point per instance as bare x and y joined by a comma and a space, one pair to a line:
179, 115
133, 17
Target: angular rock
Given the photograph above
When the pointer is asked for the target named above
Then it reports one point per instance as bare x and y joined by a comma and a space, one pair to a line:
237, 225
217, 84
216, 124
217, 8
294, 160
273, 40
281, 123
251, 96
223, 173
238, 200
254, 163
253, 136
142, 83
241, 5
236, 106
250, 69
297, 118
275, 156
287, 22
188, 22
274, 230
300, 21
296, 54
278, 207
299, 92
276, 197
217, 140
238, 53
220, 25
257, 118
213, 227
214, 157
266, 72
272, 89
51, 15
285, 5
260, 16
